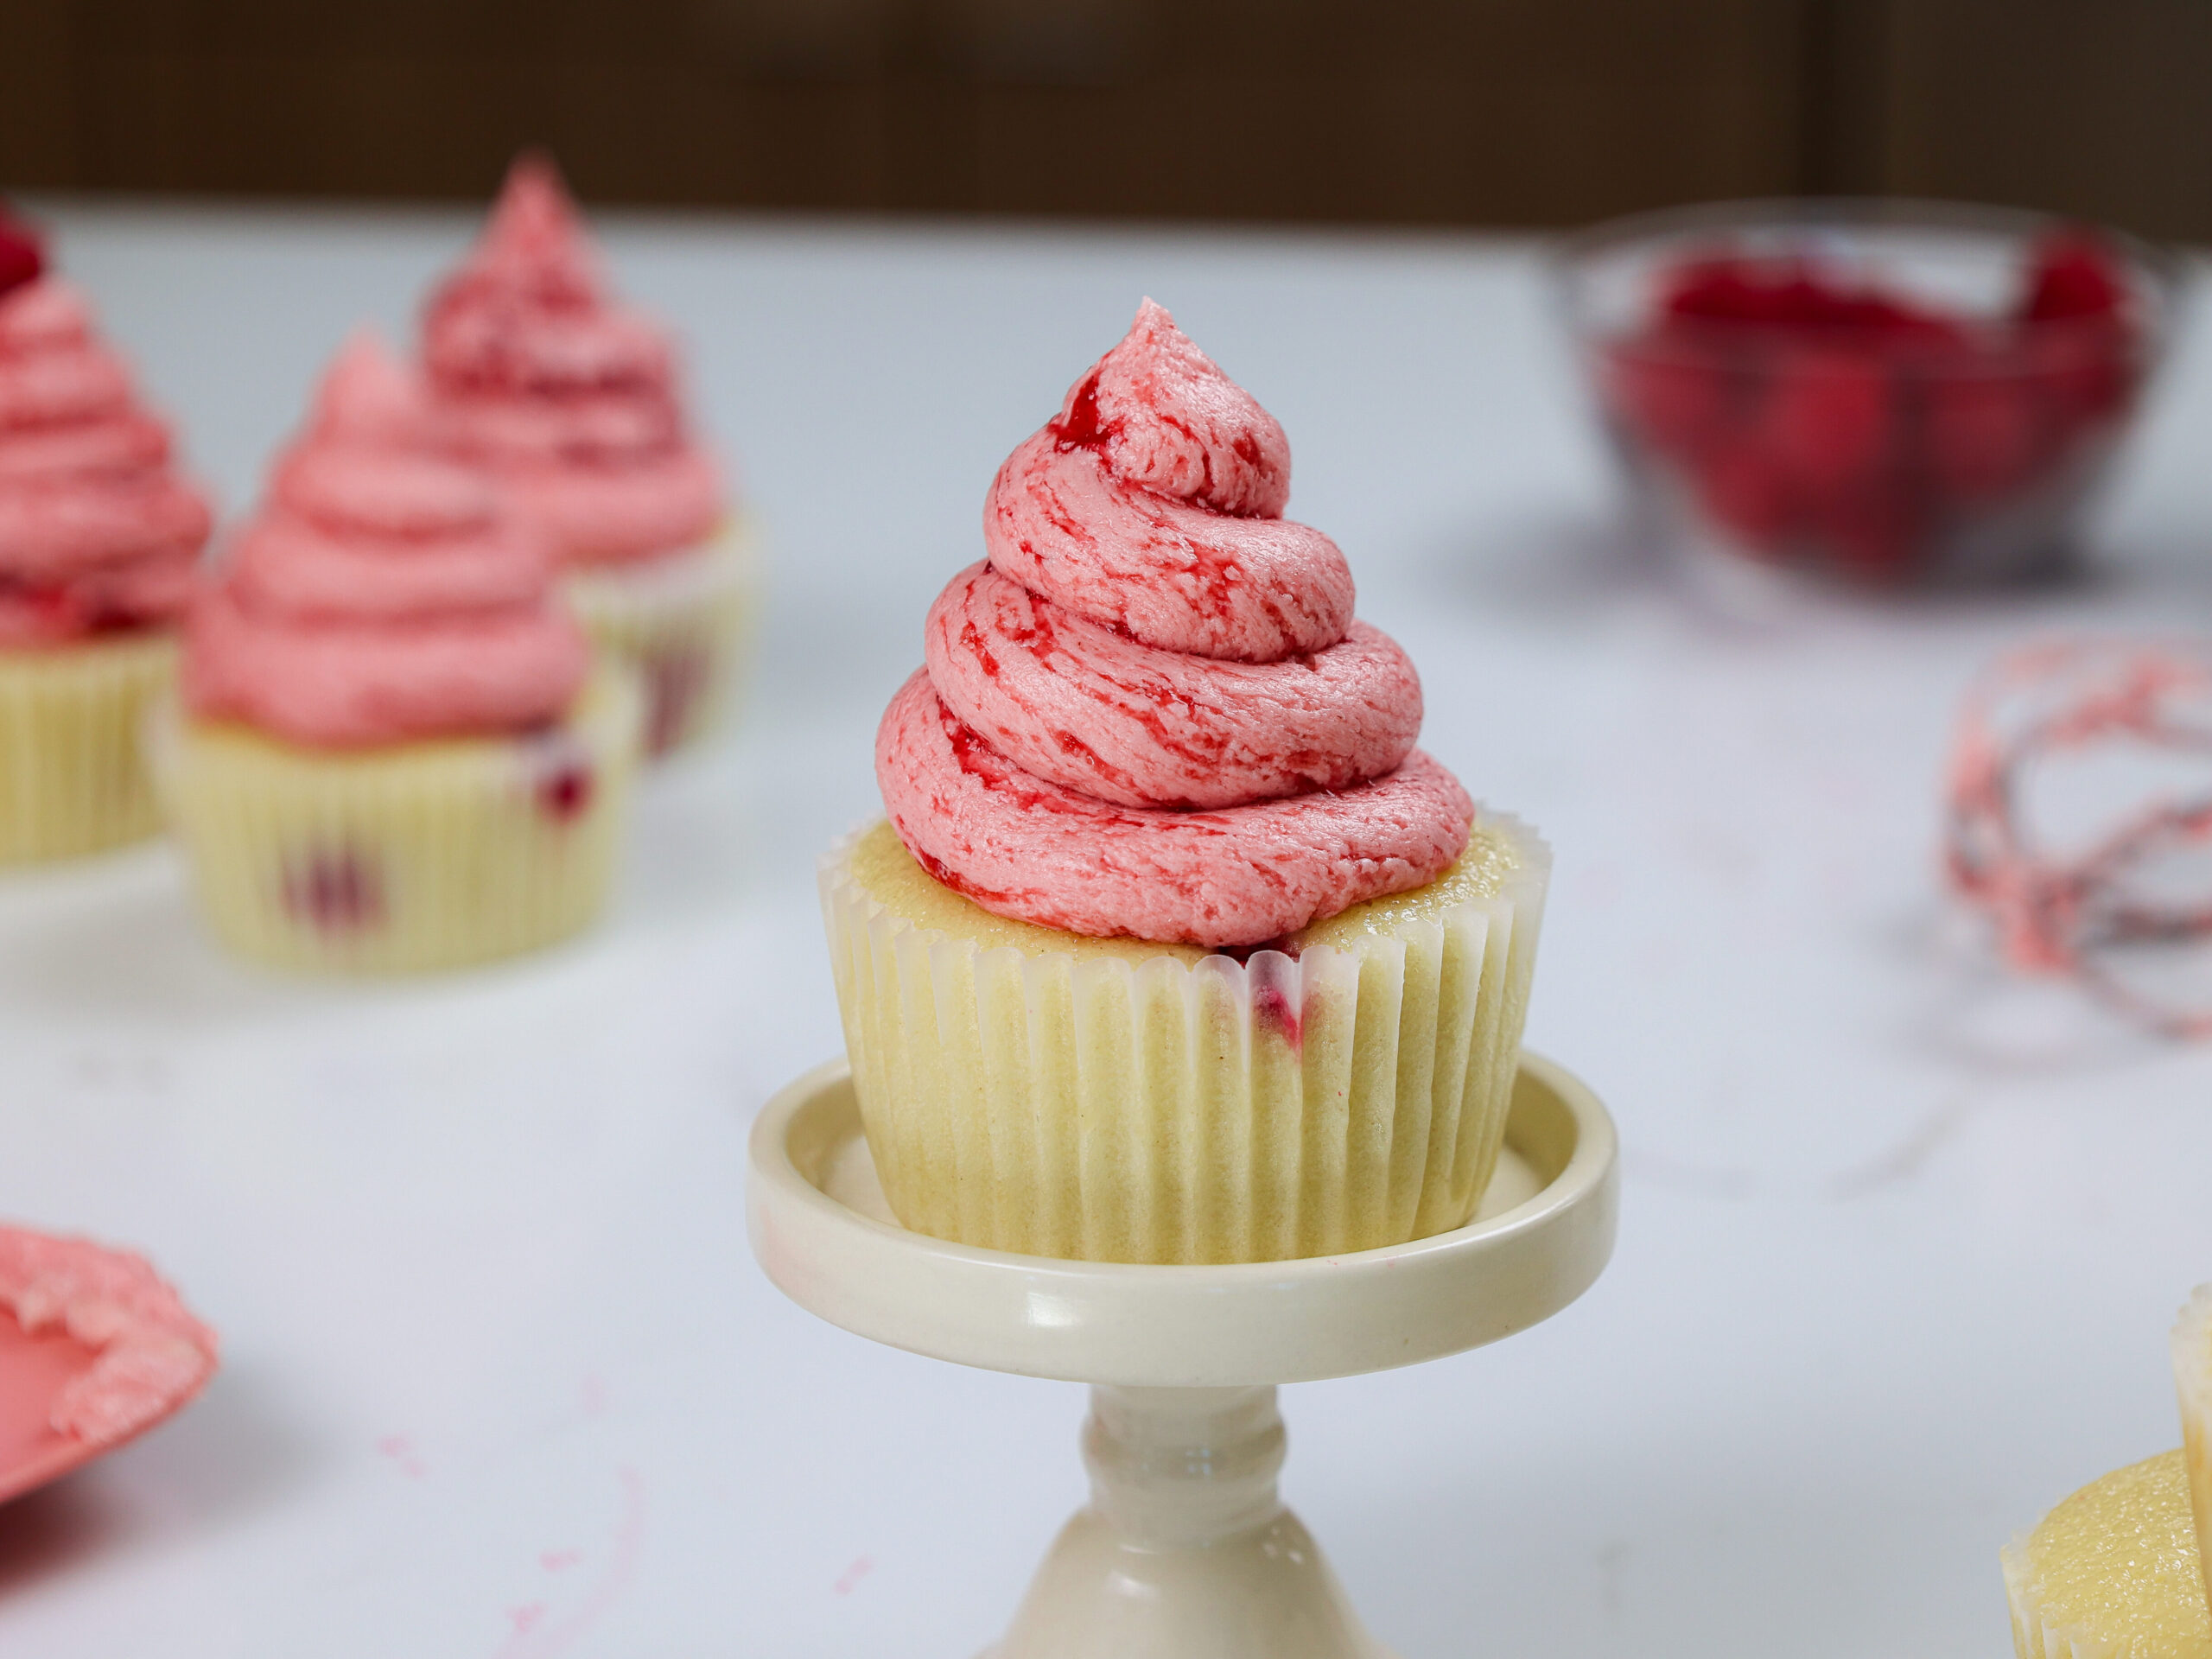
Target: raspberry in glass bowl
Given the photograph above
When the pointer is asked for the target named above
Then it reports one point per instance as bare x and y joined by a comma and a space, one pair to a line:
1894, 393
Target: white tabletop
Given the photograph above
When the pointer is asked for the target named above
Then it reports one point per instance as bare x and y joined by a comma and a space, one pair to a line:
1900, 1243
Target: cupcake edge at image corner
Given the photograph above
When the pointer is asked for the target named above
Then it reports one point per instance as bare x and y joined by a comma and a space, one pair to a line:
98, 538
539, 375
2119, 1567
390, 752
1174, 947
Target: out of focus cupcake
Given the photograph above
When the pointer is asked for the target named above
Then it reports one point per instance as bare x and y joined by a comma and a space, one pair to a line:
2112, 1571
571, 399
391, 752
2117, 1570
98, 536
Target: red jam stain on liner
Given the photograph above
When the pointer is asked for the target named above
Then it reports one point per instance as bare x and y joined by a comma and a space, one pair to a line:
1272, 1008
675, 680
335, 891
566, 792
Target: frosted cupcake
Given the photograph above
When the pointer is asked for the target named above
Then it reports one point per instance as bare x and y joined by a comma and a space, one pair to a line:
97, 540
571, 400
390, 754
1173, 947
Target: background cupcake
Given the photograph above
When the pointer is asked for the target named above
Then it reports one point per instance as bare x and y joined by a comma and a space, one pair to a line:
98, 536
391, 754
571, 399
1174, 949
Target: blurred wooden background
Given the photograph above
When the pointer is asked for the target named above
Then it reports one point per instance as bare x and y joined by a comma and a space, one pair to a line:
1413, 111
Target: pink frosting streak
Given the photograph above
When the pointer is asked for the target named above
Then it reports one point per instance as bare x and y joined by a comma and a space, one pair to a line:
570, 398
152, 1354
383, 592
98, 533
1151, 713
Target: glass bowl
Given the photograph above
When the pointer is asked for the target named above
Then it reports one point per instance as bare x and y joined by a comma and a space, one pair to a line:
1895, 393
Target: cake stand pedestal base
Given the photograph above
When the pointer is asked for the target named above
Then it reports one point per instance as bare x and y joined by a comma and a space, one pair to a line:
1184, 1552
1184, 1548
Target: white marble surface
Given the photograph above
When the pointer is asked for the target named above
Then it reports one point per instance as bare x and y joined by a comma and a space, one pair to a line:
1899, 1245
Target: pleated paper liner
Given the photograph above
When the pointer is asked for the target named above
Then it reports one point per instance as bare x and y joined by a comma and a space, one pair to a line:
2192, 1352
1031, 1091
2112, 1571
72, 771
416, 856
683, 622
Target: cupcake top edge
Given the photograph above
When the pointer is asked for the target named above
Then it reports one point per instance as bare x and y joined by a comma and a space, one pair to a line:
537, 373
1150, 712
380, 591
2114, 1564
99, 530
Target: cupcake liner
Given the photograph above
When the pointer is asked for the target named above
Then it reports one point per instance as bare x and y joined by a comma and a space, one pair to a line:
2031, 1637
72, 771
1124, 1107
2192, 1352
414, 856
682, 622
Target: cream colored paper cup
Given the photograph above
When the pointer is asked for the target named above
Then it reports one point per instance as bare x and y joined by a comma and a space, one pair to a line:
1111, 1100
398, 860
683, 622
72, 771
2192, 1351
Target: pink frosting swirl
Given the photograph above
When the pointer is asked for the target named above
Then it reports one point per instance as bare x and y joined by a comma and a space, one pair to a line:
1151, 713
98, 533
383, 592
569, 397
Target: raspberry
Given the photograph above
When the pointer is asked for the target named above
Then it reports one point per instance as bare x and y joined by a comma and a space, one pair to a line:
2073, 275
1829, 420
1987, 434
1742, 490
1795, 296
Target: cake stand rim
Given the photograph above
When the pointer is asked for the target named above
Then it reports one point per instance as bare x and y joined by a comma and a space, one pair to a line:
1233, 1324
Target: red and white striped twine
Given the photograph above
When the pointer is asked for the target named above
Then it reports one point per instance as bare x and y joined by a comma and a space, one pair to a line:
2077, 912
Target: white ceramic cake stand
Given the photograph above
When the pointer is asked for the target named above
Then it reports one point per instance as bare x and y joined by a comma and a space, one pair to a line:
1185, 1551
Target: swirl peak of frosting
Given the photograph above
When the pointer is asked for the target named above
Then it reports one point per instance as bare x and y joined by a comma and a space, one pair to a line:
383, 591
97, 532
1150, 712
539, 374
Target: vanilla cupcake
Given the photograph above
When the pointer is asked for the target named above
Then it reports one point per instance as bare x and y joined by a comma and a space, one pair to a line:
98, 536
391, 754
1173, 947
571, 400
2118, 1570
2113, 1571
